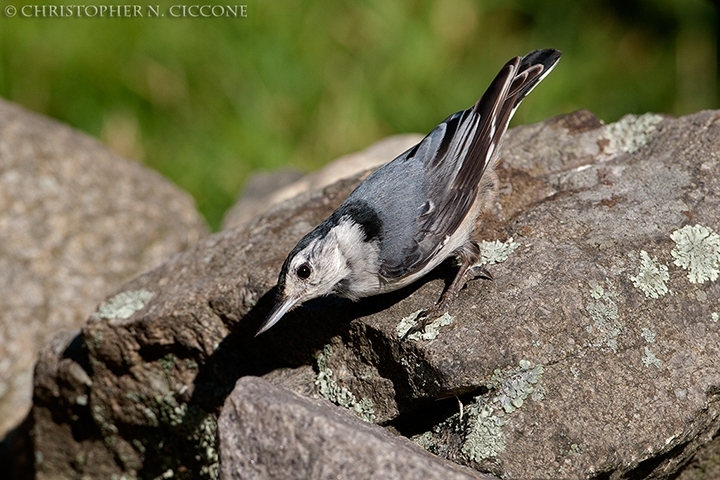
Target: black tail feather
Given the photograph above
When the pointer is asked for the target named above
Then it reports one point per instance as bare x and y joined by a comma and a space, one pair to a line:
532, 61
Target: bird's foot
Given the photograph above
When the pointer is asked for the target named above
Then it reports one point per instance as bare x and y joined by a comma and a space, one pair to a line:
478, 271
464, 275
424, 318
468, 270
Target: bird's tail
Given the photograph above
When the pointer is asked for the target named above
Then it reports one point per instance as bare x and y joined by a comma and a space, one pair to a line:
492, 113
514, 82
545, 59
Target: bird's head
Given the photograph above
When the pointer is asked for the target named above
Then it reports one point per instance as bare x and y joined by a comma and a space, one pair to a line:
339, 257
315, 268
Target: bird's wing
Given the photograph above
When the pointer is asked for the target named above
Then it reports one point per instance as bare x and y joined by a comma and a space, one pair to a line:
457, 153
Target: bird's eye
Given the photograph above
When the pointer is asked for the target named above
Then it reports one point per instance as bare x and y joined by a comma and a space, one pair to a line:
303, 271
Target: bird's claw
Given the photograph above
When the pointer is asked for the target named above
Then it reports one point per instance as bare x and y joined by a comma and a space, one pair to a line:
478, 271
421, 322
424, 318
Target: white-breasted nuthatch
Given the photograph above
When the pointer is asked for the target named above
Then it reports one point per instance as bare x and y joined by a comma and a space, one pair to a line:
415, 211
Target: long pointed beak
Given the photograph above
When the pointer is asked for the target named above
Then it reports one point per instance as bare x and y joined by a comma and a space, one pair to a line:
277, 312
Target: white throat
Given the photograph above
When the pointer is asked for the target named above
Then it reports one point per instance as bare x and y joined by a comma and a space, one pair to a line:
360, 258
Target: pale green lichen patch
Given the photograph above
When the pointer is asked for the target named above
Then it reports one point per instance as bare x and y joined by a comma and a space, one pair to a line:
496, 251
478, 431
603, 311
193, 425
169, 411
432, 329
650, 359
575, 449
697, 249
205, 437
123, 305
652, 277
339, 395
485, 437
168, 362
648, 335
107, 429
631, 132
515, 386
478, 427
427, 441
438, 439
715, 317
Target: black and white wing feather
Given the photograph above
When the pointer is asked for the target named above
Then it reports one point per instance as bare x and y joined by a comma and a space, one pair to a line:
457, 153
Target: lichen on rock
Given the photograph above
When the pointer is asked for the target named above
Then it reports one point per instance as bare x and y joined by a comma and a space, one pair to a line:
652, 277
339, 395
697, 249
632, 131
496, 251
603, 310
431, 331
123, 305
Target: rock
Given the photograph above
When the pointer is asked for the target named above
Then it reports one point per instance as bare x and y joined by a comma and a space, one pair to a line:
76, 221
705, 464
327, 442
265, 190
593, 353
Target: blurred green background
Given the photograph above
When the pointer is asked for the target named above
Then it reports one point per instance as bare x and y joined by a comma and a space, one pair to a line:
206, 101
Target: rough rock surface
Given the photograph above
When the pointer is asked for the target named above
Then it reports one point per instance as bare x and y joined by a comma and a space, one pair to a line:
258, 197
76, 221
326, 442
593, 353
705, 465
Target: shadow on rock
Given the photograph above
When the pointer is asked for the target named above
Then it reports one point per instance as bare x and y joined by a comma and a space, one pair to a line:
292, 343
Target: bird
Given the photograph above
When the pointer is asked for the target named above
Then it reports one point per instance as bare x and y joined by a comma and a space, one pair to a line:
415, 211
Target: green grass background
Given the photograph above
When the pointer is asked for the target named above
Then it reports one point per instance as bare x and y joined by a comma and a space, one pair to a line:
207, 101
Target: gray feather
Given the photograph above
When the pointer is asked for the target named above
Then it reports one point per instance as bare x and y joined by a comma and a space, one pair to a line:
444, 171
415, 211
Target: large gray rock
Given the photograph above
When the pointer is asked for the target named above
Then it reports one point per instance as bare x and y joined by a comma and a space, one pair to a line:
592, 354
705, 464
76, 221
326, 442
